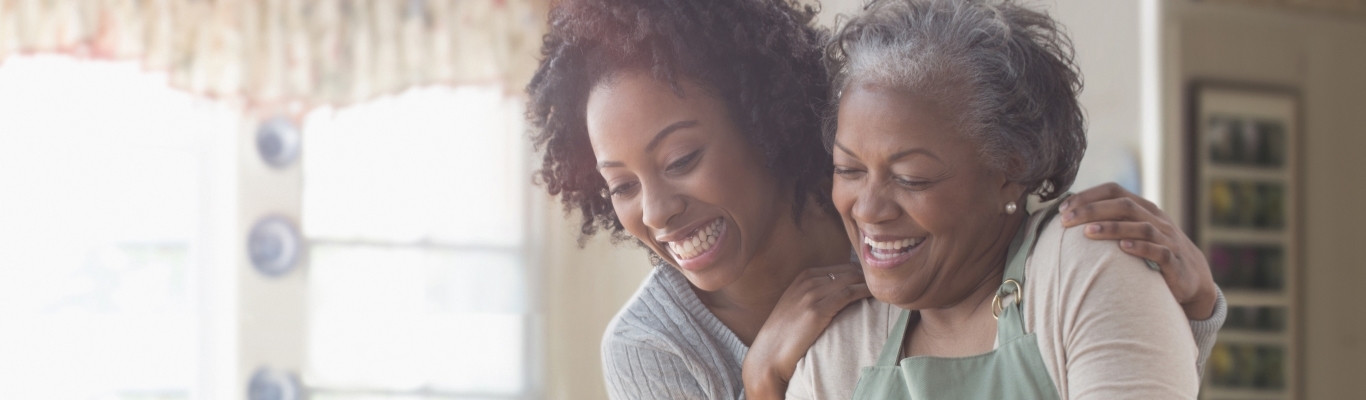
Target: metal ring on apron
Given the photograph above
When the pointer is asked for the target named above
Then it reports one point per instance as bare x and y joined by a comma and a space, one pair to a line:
996, 305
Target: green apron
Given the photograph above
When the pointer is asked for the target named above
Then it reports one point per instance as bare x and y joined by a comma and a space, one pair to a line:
1014, 370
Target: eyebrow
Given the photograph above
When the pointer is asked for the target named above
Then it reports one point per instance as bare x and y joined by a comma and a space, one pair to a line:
894, 156
655, 141
667, 130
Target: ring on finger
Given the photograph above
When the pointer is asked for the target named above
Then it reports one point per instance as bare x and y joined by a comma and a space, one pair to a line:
831, 275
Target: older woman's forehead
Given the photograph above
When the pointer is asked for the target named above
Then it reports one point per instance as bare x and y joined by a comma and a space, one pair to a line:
878, 118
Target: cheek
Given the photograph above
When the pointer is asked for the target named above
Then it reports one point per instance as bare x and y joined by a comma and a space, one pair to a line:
958, 216
843, 194
629, 214
737, 183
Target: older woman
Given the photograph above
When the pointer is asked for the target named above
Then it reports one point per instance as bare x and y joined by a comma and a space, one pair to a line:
951, 114
692, 127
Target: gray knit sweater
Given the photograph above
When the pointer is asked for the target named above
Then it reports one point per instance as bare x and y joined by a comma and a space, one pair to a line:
664, 344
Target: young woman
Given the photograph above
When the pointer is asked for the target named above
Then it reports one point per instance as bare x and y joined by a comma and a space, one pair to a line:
951, 114
692, 128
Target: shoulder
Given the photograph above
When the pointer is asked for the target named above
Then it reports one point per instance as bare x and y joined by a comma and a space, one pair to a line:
1066, 255
830, 369
663, 341
862, 322
1101, 313
666, 315
645, 319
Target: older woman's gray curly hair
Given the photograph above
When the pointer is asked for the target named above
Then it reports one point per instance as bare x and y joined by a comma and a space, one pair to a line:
1005, 69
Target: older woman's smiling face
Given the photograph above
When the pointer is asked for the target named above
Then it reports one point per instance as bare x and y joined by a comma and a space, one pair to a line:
926, 214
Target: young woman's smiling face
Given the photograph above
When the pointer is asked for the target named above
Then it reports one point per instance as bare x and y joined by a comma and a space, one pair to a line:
925, 214
682, 178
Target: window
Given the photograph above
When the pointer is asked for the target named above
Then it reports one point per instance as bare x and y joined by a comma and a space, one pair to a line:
103, 168
414, 207
120, 200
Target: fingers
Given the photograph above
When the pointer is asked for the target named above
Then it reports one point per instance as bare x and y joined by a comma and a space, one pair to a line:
1162, 255
832, 303
844, 273
1112, 210
858, 291
1118, 230
1107, 191
815, 284
836, 269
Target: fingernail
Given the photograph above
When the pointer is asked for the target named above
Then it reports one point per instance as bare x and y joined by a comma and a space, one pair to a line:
1128, 244
1066, 204
1093, 228
1070, 215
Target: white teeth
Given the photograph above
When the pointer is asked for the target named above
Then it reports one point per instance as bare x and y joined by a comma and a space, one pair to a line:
899, 246
698, 243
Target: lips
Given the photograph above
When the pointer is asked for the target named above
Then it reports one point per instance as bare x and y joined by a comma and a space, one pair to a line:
700, 247
891, 249
888, 252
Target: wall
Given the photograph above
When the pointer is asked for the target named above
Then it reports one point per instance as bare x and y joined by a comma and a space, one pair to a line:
583, 289
1323, 56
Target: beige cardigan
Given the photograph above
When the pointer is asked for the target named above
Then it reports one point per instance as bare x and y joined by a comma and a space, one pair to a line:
1107, 326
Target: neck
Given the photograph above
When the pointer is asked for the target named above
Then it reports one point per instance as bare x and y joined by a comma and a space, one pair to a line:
743, 306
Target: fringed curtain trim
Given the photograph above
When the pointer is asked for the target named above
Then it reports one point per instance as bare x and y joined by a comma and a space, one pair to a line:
282, 51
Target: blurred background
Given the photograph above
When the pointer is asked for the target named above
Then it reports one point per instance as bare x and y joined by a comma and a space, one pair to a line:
332, 199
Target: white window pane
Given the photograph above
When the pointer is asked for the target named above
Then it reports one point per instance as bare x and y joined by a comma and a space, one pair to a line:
100, 168
409, 318
438, 164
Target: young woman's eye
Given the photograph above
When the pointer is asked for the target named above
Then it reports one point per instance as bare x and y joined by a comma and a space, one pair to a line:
848, 173
622, 190
683, 163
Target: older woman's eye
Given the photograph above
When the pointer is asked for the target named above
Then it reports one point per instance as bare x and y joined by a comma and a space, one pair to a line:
683, 163
913, 184
623, 190
848, 173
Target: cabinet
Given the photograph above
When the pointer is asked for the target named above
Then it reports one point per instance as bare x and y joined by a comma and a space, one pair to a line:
1243, 193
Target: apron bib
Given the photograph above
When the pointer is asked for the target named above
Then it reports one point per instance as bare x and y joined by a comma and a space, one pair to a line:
1014, 370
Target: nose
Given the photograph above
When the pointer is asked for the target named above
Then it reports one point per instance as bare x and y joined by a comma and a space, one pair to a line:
874, 205
660, 204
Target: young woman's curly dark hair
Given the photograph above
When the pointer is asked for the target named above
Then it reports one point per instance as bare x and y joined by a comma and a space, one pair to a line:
762, 57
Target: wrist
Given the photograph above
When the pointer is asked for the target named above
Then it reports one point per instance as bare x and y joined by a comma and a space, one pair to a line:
1201, 306
763, 382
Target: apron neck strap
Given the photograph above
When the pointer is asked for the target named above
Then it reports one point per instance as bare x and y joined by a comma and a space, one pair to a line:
891, 351
1010, 317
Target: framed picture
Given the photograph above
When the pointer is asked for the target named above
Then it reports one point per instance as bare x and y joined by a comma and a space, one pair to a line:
1242, 195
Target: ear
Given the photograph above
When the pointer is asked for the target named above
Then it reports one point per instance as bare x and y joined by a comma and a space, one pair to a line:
1012, 191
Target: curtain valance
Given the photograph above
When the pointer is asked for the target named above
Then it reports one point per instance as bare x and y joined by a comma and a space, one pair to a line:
291, 51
